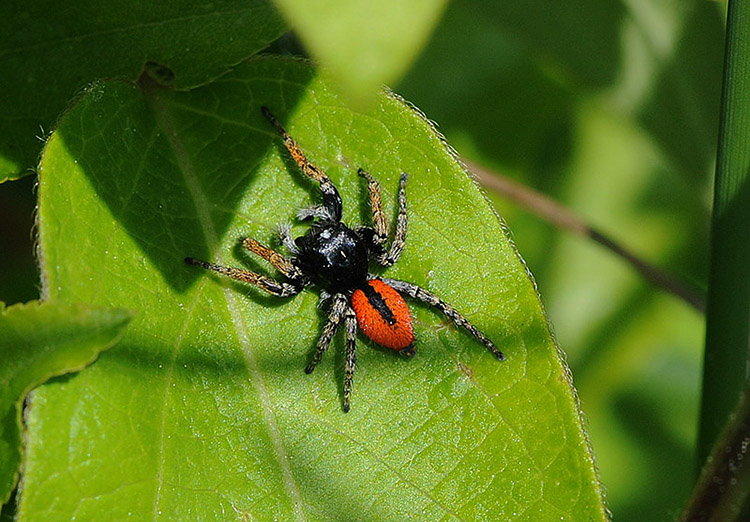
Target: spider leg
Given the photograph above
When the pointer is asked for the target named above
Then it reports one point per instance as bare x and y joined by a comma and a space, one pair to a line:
350, 322
380, 235
338, 308
278, 261
376, 204
278, 288
431, 299
331, 198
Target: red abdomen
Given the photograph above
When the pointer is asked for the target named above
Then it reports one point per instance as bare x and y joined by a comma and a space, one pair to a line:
383, 315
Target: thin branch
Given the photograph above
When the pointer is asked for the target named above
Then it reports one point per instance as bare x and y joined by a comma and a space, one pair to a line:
559, 216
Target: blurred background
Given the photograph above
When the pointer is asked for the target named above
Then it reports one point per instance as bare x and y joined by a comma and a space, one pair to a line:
610, 108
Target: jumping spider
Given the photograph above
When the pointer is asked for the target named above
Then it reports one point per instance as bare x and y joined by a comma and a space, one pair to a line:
336, 258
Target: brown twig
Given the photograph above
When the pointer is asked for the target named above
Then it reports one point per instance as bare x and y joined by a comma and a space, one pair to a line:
556, 214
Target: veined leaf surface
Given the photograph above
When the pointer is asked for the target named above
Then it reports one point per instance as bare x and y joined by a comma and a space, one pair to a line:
203, 410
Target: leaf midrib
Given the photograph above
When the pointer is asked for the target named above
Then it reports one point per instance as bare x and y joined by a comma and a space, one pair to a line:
165, 122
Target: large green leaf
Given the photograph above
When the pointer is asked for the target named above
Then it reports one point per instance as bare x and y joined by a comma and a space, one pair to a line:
49, 50
39, 341
363, 44
203, 410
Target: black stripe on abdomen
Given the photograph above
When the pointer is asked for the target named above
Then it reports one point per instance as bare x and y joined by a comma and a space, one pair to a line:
378, 303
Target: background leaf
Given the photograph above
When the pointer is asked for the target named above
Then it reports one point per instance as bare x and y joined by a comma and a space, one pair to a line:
363, 44
203, 409
39, 341
49, 51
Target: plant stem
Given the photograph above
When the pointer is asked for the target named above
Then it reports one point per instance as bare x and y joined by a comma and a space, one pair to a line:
728, 310
553, 212
722, 489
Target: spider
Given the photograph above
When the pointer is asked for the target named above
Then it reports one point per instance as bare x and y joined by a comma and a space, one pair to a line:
336, 258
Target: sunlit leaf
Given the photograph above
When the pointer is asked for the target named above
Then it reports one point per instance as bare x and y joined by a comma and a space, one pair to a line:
203, 410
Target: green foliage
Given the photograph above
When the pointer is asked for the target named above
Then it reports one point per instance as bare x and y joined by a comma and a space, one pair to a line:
203, 407
611, 109
728, 321
39, 341
363, 44
50, 50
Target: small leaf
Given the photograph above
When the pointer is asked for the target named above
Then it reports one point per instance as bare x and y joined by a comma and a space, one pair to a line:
50, 50
203, 409
39, 341
363, 44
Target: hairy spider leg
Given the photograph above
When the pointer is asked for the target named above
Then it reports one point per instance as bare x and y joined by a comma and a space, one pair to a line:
278, 288
338, 308
389, 257
376, 204
278, 261
331, 199
350, 322
431, 299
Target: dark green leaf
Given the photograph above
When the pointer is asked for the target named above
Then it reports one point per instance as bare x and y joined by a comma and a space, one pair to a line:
51, 50
727, 315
